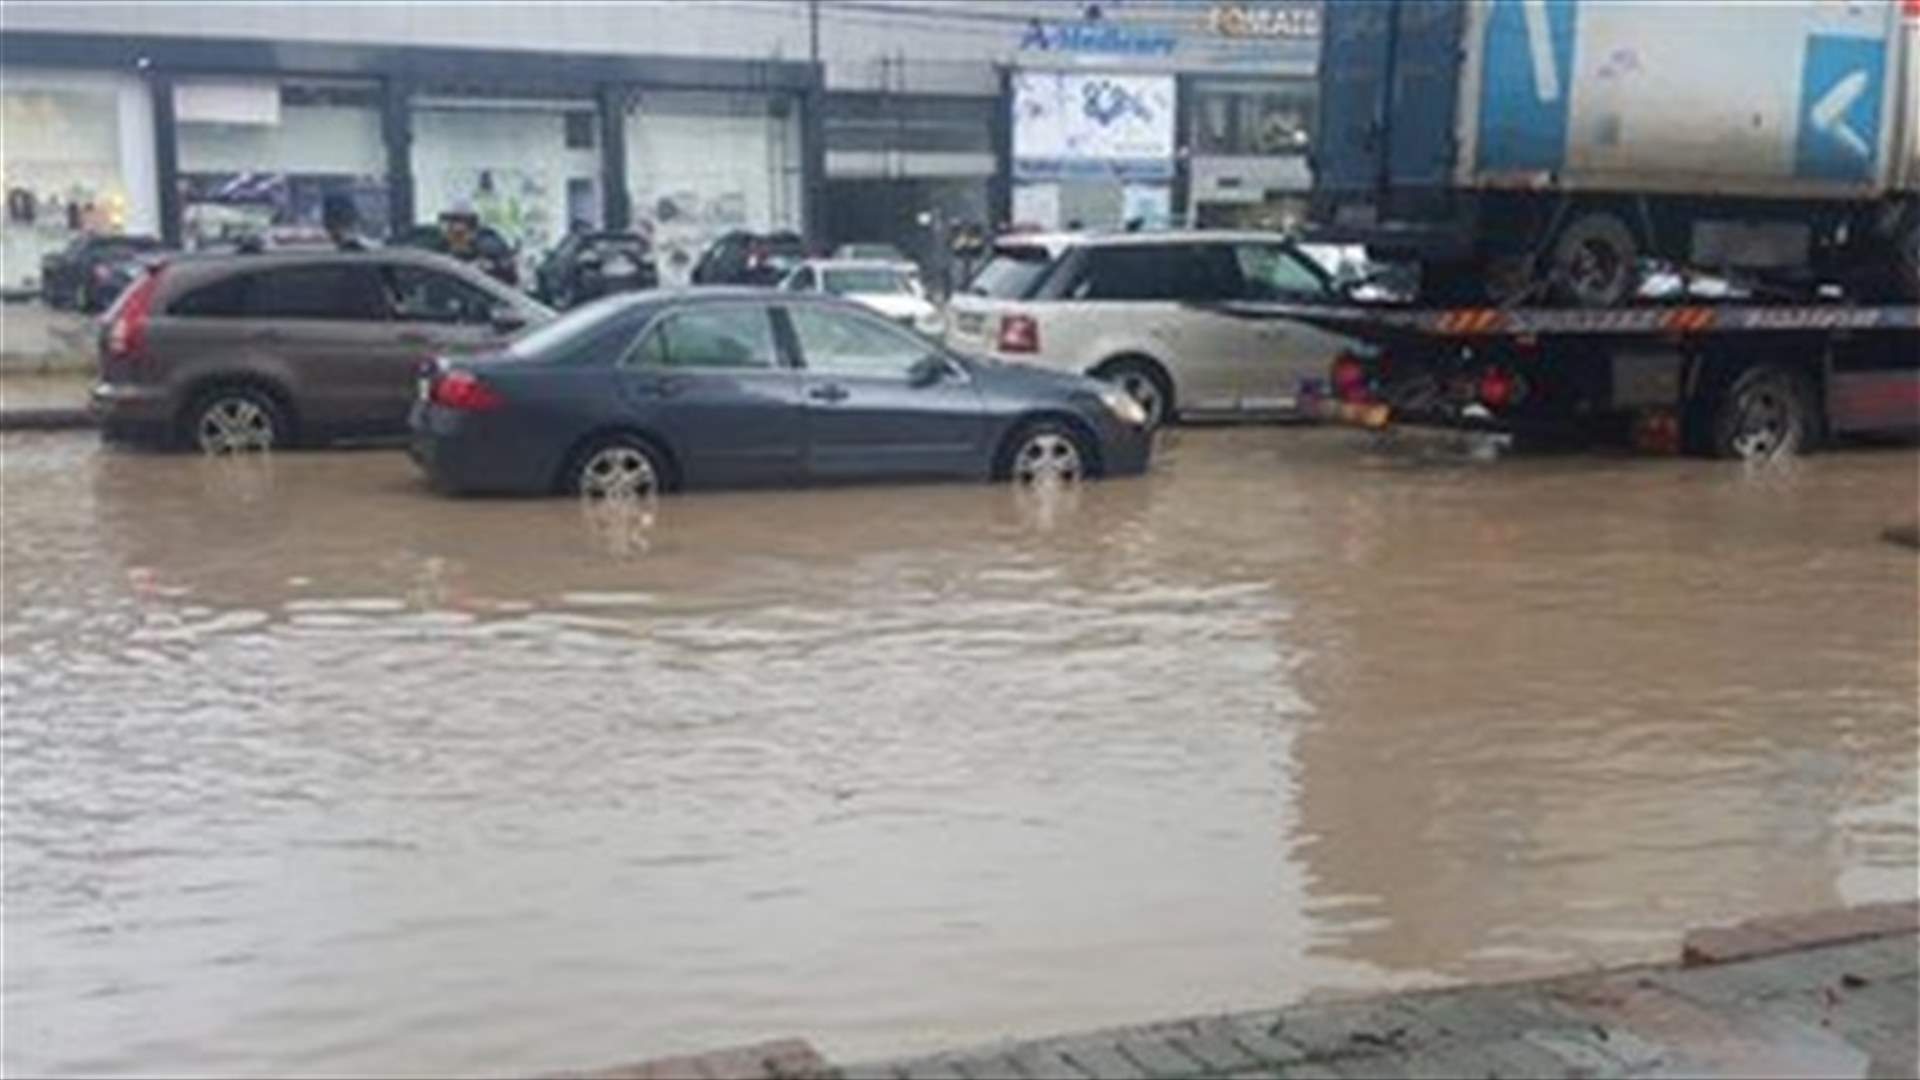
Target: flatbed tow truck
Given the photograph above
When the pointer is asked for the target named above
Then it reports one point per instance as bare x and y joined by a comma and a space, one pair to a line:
1732, 378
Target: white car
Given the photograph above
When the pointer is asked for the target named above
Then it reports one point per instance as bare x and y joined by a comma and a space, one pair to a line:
1134, 308
886, 287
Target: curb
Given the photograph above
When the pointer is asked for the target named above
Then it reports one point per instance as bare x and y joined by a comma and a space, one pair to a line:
46, 420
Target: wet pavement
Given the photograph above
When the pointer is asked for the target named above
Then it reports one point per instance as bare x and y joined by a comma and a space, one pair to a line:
309, 771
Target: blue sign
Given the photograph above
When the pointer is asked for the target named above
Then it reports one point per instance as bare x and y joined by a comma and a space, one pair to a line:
1840, 92
1097, 37
1526, 84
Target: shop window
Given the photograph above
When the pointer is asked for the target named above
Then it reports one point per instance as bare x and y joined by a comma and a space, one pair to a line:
76, 158
277, 161
580, 134
1256, 118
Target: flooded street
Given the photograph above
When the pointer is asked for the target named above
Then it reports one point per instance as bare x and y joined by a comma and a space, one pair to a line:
307, 771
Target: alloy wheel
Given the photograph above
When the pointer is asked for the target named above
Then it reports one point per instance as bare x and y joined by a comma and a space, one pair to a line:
619, 471
1047, 457
234, 425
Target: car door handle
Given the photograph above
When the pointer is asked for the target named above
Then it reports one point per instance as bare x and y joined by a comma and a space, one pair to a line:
660, 387
828, 392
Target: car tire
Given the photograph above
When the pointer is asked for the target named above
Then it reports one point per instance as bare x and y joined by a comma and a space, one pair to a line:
1145, 382
619, 465
1047, 452
1595, 262
235, 418
1765, 411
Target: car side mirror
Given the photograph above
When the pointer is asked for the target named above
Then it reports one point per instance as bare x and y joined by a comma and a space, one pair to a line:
506, 319
926, 371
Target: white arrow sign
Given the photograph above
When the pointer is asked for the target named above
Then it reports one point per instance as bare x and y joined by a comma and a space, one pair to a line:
1830, 113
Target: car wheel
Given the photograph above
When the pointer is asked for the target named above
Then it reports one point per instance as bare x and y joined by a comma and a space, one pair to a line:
1595, 262
1047, 452
1765, 412
1145, 383
235, 420
618, 467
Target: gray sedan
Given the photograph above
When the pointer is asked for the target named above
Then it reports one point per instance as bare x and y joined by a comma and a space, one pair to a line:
649, 392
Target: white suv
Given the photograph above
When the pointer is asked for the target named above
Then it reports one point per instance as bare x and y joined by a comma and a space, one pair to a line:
1132, 308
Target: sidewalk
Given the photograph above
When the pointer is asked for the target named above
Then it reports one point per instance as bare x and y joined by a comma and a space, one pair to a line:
1832, 994
44, 402
37, 340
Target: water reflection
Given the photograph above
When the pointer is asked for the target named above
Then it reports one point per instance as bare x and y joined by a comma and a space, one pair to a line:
307, 770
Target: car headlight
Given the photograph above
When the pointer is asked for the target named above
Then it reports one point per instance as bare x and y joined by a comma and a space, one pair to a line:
1121, 404
930, 322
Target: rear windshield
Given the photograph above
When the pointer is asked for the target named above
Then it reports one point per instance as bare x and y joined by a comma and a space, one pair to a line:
1012, 274
599, 330
866, 280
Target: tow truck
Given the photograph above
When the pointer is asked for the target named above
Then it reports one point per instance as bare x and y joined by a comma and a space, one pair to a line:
1734, 378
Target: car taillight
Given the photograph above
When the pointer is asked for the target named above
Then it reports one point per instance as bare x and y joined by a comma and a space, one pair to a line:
1349, 377
1496, 388
463, 390
1019, 334
127, 330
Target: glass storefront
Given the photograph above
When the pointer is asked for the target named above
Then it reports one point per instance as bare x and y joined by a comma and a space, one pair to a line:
1249, 141
76, 156
700, 164
265, 158
528, 168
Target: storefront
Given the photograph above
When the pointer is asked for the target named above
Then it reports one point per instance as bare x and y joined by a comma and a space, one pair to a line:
700, 164
264, 157
77, 156
527, 168
1092, 149
1249, 140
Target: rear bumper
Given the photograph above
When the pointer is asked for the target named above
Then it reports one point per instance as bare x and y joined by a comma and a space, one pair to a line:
127, 410
473, 453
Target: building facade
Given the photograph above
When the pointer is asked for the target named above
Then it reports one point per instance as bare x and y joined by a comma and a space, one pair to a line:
844, 119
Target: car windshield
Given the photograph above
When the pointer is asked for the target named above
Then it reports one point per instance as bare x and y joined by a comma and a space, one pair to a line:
566, 334
866, 280
1012, 274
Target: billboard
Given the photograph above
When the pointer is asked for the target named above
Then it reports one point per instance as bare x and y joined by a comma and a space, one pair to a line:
1087, 124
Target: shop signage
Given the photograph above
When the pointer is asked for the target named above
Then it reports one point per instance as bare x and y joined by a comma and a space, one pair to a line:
1247, 20
1068, 123
1098, 37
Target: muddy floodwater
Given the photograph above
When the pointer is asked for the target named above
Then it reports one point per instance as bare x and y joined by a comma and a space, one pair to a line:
307, 771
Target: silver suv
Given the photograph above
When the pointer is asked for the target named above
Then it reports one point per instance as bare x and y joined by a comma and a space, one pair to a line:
235, 352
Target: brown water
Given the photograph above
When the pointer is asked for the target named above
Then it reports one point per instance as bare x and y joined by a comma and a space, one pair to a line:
308, 771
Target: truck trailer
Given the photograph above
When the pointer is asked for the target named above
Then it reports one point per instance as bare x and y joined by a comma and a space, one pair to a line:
1529, 151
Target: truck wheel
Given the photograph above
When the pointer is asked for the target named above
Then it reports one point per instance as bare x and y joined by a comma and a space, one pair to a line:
1595, 262
1766, 411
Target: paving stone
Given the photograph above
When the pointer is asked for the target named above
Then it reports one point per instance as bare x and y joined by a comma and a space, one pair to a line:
932, 1069
1157, 1057
1213, 1043
1098, 1056
870, 1072
1330, 1030
1370, 1067
1254, 1034
1306, 1070
1724, 944
1518, 1057
995, 1065
1041, 1061
1496, 1013
1578, 1051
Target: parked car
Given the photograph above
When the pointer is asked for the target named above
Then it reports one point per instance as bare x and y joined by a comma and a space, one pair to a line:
89, 272
586, 266
650, 392
490, 251
885, 287
237, 352
746, 258
1137, 309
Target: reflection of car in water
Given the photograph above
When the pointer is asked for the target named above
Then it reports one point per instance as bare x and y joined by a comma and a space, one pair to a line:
745, 258
654, 391
586, 266
887, 288
240, 352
